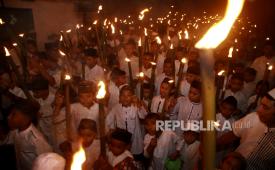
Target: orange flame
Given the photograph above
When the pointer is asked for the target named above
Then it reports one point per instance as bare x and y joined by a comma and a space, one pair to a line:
139, 42
78, 159
141, 15
101, 92
7, 52
113, 29
218, 32
230, 52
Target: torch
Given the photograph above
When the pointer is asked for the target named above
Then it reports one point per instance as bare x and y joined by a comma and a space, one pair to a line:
100, 97
182, 65
214, 36
17, 73
140, 55
141, 77
130, 71
146, 41
67, 82
152, 82
78, 159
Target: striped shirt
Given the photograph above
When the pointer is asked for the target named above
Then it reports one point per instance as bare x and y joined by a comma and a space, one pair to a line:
263, 156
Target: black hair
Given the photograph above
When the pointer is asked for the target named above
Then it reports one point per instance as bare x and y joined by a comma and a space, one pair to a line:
28, 107
152, 116
39, 83
169, 60
87, 124
116, 72
237, 77
91, 52
251, 71
126, 88
231, 100
196, 84
262, 82
122, 135
131, 42
147, 86
151, 55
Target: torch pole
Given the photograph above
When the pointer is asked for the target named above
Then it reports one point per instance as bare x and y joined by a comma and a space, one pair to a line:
208, 98
68, 108
102, 127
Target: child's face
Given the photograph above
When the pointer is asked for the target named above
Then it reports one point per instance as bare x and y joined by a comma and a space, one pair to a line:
90, 61
146, 93
226, 110
190, 77
164, 90
117, 147
41, 94
121, 80
248, 77
125, 98
16, 119
190, 137
194, 95
179, 55
236, 85
168, 69
87, 137
150, 126
146, 61
86, 99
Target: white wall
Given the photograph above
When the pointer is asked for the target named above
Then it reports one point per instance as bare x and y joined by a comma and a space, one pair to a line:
49, 16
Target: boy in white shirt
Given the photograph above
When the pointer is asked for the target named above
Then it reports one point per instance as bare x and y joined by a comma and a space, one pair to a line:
28, 141
45, 98
235, 90
126, 115
193, 73
118, 79
165, 92
160, 145
85, 108
93, 72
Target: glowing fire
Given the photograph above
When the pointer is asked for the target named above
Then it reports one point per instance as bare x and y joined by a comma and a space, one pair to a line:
61, 52
77, 26
14, 44
153, 63
184, 60
21, 35
1, 21
171, 81
67, 77
218, 32
78, 159
171, 46
113, 29
221, 73
139, 42
179, 34
141, 15
127, 59
186, 35
141, 75
230, 52
158, 40
95, 22
68, 31
270, 68
101, 92
61, 38
145, 31
7, 53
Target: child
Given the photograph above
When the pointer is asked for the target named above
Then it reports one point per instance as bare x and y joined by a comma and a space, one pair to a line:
126, 115
87, 133
118, 78
262, 88
249, 81
147, 66
93, 72
159, 145
118, 156
189, 108
235, 90
165, 92
29, 142
193, 73
85, 108
168, 72
190, 149
227, 108
147, 93
41, 93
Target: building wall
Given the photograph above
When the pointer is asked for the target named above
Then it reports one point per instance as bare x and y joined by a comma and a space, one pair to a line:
49, 16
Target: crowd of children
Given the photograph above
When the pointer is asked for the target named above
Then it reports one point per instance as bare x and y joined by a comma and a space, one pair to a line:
37, 133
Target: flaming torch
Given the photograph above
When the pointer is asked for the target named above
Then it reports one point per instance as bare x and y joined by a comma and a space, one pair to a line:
67, 80
78, 159
100, 97
182, 65
214, 36
130, 71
